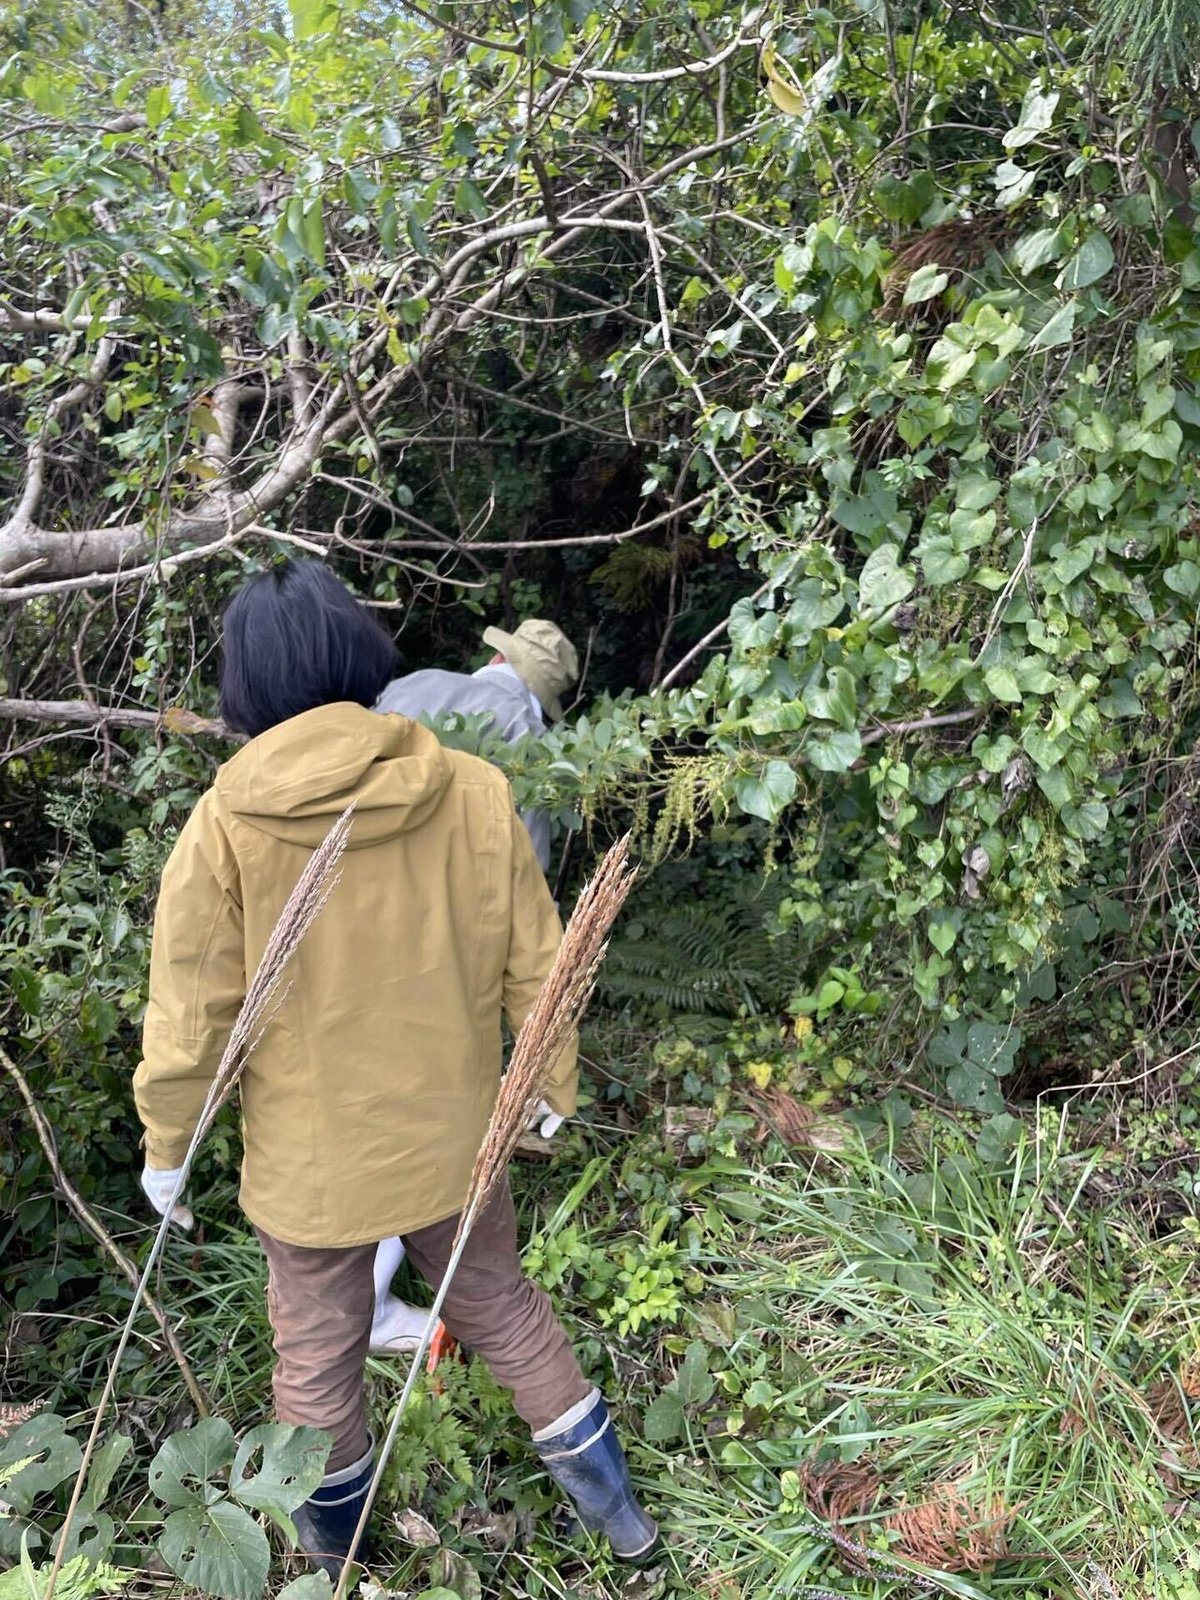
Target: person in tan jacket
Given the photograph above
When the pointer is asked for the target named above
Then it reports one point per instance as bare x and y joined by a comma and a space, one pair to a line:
366, 1097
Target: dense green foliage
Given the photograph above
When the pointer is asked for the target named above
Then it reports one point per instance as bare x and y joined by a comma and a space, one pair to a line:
834, 378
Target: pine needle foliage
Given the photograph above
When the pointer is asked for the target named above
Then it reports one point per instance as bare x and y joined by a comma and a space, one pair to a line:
1158, 40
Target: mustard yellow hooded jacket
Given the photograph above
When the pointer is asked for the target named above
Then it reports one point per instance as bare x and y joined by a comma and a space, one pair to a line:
365, 1100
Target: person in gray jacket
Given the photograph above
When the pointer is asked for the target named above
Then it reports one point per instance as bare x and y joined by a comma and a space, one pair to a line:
521, 689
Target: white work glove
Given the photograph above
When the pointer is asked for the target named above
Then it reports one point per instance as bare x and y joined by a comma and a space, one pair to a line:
550, 1120
158, 1187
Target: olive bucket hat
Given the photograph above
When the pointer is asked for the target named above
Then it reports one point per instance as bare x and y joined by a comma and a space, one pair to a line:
542, 657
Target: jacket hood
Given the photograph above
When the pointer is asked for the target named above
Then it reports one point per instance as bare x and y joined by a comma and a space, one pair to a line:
296, 779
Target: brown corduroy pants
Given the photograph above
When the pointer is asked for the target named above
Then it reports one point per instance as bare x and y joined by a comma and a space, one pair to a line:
320, 1303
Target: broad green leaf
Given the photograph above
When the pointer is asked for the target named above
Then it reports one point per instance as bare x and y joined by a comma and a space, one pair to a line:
25, 986
883, 582
949, 370
183, 1471
1161, 444
1013, 183
1037, 249
997, 1137
158, 105
942, 934
765, 794
291, 1466
693, 1383
50, 1454
218, 1549
1002, 681
311, 18
833, 752
1087, 821
1037, 113
836, 700
1183, 578
1056, 786
663, 1421
970, 529
925, 282
974, 491
1057, 330
974, 1088
940, 562
312, 1586
469, 199
1091, 262
1120, 701
1035, 677
1096, 433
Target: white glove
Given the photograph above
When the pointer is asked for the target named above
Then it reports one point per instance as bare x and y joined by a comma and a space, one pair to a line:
158, 1186
550, 1120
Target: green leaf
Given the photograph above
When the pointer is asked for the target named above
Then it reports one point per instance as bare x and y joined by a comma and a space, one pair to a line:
836, 701
1096, 433
158, 105
883, 582
970, 529
993, 1048
975, 492
25, 985
469, 199
716, 1322
219, 1549
974, 1088
1002, 681
55, 1458
1057, 330
312, 230
312, 1586
997, 1137
1087, 821
942, 934
1091, 262
1037, 113
1184, 579
1055, 784
1036, 249
767, 793
925, 282
663, 1422
833, 752
940, 562
311, 18
292, 1465
693, 1383
183, 1471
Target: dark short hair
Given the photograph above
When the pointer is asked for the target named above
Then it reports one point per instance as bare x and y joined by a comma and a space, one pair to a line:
294, 638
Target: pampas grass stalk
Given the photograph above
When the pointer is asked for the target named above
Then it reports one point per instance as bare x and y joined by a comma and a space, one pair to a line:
556, 1014
304, 904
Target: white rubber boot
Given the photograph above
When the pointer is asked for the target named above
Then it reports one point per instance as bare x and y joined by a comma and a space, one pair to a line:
396, 1328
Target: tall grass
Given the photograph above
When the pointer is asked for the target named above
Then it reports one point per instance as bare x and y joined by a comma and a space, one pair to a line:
907, 1309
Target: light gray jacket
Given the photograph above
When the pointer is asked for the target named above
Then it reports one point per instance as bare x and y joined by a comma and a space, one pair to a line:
497, 691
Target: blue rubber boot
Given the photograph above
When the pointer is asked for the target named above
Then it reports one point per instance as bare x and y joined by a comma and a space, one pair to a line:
582, 1455
325, 1523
